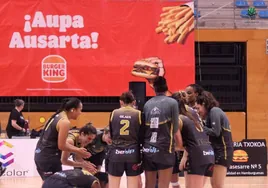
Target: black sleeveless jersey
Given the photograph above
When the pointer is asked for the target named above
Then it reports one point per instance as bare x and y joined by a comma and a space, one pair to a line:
97, 149
75, 178
97, 145
196, 143
47, 145
124, 128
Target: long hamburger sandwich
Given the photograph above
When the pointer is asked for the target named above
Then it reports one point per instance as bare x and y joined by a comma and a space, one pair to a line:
240, 156
144, 69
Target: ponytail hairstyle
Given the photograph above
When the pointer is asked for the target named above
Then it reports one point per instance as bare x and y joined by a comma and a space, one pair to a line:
208, 100
88, 129
66, 105
180, 96
127, 97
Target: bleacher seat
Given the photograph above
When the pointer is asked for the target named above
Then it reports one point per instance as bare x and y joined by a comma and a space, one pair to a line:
259, 4
263, 14
244, 13
241, 3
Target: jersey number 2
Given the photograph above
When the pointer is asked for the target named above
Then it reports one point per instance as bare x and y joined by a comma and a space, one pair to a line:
123, 130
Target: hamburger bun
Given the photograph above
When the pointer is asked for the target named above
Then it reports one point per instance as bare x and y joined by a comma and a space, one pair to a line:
240, 156
145, 63
145, 69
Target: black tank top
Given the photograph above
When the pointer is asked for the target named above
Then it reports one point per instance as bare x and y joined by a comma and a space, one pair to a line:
124, 126
196, 143
75, 178
47, 145
97, 145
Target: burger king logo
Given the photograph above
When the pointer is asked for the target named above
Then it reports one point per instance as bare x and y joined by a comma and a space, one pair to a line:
240, 156
54, 69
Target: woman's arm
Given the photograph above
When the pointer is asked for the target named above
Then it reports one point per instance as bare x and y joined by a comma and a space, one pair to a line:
63, 129
183, 160
16, 126
14, 116
215, 120
65, 157
178, 137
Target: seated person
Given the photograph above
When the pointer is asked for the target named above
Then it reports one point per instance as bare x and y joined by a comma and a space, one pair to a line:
70, 179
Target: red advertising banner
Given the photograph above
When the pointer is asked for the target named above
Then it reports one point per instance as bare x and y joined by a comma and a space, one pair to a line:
94, 47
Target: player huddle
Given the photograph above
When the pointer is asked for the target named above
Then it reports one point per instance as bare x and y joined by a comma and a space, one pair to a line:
183, 132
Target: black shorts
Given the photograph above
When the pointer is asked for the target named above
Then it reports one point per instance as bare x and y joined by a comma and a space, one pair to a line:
202, 170
118, 169
223, 158
177, 164
97, 159
149, 165
103, 177
47, 168
106, 162
178, 157
53, 182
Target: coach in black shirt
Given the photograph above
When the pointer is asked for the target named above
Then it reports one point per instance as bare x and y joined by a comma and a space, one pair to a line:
16, 122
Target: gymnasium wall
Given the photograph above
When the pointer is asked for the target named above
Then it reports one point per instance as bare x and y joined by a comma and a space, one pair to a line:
257, 87
257, 77
101, 119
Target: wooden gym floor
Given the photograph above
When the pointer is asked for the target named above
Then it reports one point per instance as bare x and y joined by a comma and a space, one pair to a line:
231, 182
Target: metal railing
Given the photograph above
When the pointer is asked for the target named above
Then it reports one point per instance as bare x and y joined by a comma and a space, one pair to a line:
231, 14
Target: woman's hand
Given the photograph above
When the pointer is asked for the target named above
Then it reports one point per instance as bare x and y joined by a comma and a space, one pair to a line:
90, 167
83, 153
159, 63
183, 163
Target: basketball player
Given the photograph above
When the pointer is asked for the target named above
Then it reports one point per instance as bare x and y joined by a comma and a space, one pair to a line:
80, 138
192, 91
161, 120
53, 139
181, 96
196, 144
124, 152
184, 97
70, 179
91, 164
98, 146
98, 149
218, 128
